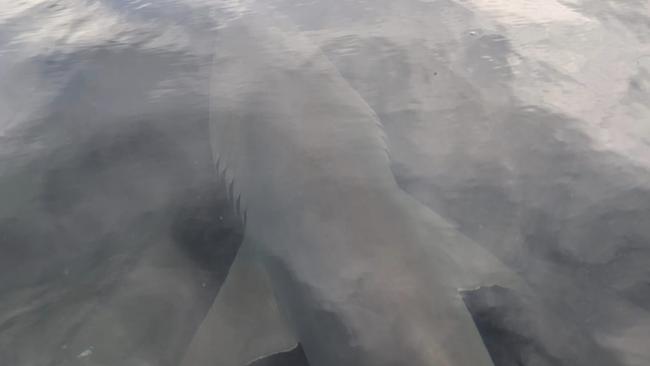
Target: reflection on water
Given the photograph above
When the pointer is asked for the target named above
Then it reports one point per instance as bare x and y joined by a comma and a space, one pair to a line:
523, 123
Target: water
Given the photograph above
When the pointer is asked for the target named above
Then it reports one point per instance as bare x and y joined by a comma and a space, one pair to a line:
525, 124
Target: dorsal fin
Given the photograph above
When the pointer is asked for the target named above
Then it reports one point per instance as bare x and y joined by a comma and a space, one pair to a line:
244, 323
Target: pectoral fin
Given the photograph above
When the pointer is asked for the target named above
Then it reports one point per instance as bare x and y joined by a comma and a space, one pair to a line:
470, 265
244, 323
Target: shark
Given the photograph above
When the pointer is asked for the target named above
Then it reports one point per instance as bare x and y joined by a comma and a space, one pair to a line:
336, 257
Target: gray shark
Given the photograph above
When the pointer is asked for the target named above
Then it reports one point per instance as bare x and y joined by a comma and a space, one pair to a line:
336, 256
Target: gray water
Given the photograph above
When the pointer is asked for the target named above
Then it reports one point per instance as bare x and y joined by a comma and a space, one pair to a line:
524, 123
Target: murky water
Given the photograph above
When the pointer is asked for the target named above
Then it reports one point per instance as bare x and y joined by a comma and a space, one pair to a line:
524, 123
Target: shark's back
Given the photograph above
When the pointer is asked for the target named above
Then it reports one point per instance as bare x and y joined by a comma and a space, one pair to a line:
285, 123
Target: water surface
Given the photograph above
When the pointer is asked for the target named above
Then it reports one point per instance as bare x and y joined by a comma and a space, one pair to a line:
525, 124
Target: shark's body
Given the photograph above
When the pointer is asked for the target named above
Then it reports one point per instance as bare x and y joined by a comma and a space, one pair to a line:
356, 271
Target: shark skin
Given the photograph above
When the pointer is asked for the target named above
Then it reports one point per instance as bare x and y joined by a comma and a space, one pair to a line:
362, 274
